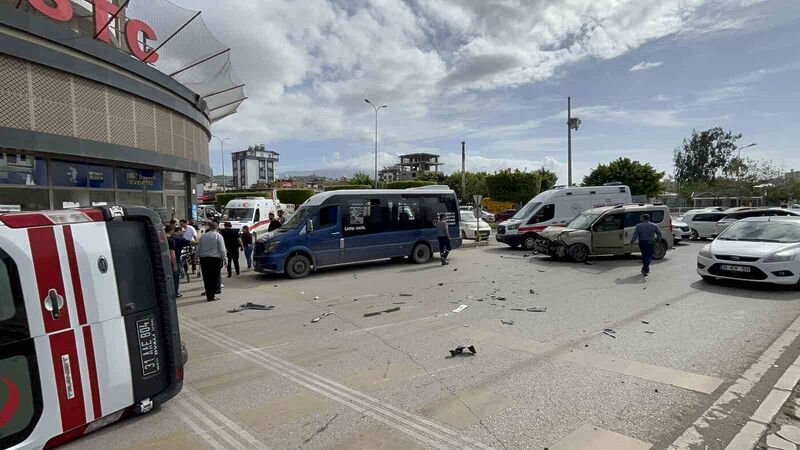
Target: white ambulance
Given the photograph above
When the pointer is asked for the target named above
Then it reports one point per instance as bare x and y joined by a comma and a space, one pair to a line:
251, 211
90, 326
557, 207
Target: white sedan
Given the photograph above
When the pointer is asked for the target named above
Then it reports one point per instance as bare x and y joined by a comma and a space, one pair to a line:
470, 226
762, 249
680, 231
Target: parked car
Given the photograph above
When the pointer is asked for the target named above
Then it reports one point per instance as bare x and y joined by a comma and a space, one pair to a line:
702, 222
487, 216
557, 207
680, 231
726, 221
603, 231
470, 226
504, 215
761, 249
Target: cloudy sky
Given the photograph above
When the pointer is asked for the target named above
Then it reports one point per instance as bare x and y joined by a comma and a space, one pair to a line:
496, 73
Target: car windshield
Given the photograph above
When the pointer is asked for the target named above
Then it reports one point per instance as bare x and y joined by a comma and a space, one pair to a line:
526, 210
467, 216
239, 214
582, 221
298, 218
762, 231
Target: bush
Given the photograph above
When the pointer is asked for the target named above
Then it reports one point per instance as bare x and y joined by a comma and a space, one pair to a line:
222, 198
342, 187
294, 196
408, 184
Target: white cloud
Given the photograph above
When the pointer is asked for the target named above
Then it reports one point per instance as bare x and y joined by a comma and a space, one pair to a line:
646, 65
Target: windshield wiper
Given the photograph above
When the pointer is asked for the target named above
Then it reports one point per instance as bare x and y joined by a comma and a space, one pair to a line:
727, 239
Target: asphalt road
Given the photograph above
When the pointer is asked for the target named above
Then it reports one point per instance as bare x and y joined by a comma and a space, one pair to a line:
551, 379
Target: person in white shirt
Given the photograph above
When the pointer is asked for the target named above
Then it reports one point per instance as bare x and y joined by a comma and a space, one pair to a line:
212, 253
189, 232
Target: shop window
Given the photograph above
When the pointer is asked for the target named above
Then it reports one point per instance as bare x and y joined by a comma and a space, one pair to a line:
139, 179
74, 174
176, 180
22, 169
25, 199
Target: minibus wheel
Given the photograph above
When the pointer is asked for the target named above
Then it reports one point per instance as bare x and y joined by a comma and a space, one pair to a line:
421, 253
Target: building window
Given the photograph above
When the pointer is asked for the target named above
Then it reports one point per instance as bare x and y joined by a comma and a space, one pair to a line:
22, 170
75, 174
138, 179
175, 181
16, 199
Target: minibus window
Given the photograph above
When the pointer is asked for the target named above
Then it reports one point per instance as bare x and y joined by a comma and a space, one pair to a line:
328, 216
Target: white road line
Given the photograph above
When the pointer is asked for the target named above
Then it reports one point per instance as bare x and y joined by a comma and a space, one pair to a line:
207, 407
381, 411
219, 430
196, 428
692, 438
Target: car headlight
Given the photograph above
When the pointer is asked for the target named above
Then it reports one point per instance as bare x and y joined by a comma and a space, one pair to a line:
513, 226
271, 247
705, 252
782, 256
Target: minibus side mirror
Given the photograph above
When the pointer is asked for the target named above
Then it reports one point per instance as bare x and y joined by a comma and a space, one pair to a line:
309, 226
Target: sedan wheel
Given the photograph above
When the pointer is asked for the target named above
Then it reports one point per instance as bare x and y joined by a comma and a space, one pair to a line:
659, 250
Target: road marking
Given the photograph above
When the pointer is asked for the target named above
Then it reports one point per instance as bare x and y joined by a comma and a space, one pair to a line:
665, 375
244, 434
219, 430
590, 437
748, 437
194, 427
721, 409
611, 363
412, 424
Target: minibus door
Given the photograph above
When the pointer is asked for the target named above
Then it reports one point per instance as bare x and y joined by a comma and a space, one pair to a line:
324, 235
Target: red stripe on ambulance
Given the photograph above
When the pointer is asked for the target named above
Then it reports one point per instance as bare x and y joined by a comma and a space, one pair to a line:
77, 289
47, 266
91, 363
68, 379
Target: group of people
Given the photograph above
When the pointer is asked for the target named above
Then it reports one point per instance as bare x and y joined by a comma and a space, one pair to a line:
213, 249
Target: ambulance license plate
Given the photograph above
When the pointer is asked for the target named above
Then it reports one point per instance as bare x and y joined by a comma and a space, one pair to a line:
148, 346
729, 268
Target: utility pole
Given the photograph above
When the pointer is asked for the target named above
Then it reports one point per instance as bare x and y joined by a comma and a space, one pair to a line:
463, 170
222, 157
376, 108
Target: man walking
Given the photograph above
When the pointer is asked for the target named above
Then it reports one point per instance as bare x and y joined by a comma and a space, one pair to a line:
443, 235
646, 232
233, 244
212, 253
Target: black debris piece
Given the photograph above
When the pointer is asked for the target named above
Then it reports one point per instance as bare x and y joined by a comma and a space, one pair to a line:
399, 303
460, 349
646, 322
537, 309
517, 309
506, 322
656, 391
649, 332
391, 310
403, 294
253, 306
376, 313
609, 333
455, 270
441, 284
502, 299
540, 270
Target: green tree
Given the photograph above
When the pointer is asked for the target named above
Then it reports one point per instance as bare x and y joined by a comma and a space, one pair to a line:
475, 185
705, 156
517, 186
294, 196
361, 178
643, 179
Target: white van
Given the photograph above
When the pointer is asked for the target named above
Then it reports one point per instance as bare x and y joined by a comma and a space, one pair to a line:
251, 211
557, 207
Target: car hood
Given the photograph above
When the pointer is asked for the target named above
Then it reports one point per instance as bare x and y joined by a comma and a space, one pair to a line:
484, 224
510, 222
745, 248
679, 224
553, 232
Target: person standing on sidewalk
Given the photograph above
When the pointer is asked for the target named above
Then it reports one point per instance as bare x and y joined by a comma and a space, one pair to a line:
212, 253
646, 233
443, 235
233, 244
247, 243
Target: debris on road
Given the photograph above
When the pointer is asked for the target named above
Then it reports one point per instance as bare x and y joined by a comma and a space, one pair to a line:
316, 297
391, 310
460, 308
253, 306
399, 303
540, 270
517, 309
441, 284
460, 349
610, 333
533, 292
455, 270
387, 311
376, 313
537, 309
318, 318
506, 322
502, 299
646, 322
649, 332
404, 294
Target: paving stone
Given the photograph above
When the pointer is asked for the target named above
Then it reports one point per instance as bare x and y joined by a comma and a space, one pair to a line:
790, 433
777, 442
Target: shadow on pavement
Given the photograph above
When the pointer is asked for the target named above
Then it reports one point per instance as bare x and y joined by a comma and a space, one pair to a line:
633, 279
743, 289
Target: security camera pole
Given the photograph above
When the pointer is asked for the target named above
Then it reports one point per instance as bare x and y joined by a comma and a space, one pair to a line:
572, 123
376, 108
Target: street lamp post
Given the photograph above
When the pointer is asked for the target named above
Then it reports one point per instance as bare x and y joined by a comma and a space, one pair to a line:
376, 108
739, 172
222, 156
572, 124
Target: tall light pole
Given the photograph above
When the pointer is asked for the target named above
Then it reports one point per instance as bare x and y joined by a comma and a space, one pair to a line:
739, 172
463, 170
376, 108
572, 124
222, 156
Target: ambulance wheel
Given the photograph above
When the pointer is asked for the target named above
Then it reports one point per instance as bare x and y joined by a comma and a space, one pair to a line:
529, 242
298, 266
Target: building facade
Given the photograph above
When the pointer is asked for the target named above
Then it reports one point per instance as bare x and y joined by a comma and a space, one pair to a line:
254, 166
84, 122
411, 166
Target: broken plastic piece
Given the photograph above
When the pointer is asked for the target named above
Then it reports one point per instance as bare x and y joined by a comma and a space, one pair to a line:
403, 294
537, 309
254, 306
506, 322
460, 308
460, 349
318, 318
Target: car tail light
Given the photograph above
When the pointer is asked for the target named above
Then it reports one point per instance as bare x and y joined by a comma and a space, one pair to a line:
49, 218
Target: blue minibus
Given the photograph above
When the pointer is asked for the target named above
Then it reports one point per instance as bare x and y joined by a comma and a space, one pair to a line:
350, 226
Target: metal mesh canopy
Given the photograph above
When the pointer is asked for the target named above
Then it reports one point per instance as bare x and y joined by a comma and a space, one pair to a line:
192, 55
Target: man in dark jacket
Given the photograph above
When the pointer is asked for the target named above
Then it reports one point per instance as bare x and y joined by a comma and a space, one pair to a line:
274, 223
233, 244
646, 233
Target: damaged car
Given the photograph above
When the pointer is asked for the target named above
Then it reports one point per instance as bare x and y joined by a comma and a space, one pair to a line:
605, 231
